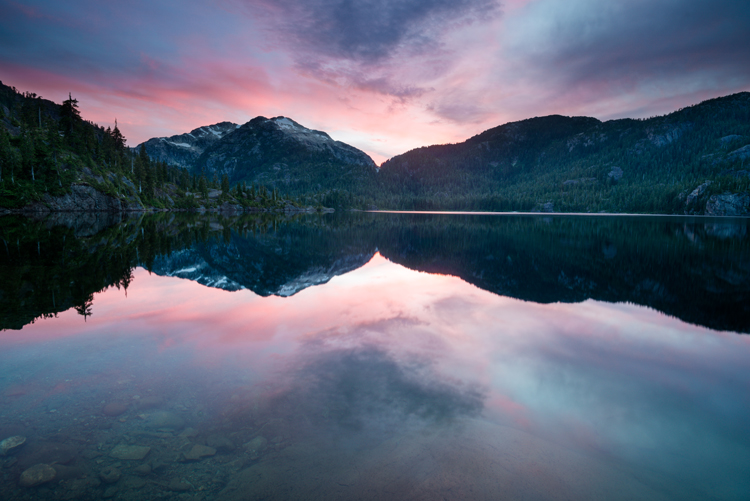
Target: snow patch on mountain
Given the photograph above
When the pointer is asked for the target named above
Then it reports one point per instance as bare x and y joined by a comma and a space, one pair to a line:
189, 265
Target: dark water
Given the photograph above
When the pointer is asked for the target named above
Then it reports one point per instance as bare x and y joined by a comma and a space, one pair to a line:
376, 356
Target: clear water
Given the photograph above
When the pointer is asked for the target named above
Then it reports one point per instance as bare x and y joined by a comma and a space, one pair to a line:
376, 356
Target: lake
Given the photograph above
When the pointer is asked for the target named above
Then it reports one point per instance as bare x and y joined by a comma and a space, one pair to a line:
374, 356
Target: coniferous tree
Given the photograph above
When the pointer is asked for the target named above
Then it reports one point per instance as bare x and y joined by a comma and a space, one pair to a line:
69, 116
203, 187
118, 138
6, 152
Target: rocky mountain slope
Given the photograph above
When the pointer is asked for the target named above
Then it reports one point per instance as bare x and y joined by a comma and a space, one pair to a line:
281, 153
277, 153
183, 150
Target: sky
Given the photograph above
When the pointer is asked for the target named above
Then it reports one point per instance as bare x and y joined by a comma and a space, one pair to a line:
385, 76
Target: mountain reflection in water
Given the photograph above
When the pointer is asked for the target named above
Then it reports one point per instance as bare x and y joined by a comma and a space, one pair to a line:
313, 358
695, 269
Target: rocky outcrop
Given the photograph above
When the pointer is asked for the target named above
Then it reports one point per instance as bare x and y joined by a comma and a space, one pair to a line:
740, 153
728, 204
692, 198
281, 153
615, 174
82, 198
183, 150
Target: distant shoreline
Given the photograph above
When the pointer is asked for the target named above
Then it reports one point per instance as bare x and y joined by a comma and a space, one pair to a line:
513, 213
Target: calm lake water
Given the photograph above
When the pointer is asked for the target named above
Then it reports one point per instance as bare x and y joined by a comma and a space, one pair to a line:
375, 356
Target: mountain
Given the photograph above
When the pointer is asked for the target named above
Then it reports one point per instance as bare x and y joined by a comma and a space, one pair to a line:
281, 263
184, 149
580, 164
693, 161
277, 153
52, 160
281, 153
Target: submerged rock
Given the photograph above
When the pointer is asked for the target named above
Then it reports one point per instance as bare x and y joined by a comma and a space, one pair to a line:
110, 475
143, 469
114, 409
110, 492
199, 451
130, 452
256, 446
10, 444
37, 475
149, 402
178, 486
165, 419
220, 443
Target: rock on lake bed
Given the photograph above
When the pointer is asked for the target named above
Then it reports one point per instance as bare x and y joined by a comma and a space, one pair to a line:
37, 475
130, 452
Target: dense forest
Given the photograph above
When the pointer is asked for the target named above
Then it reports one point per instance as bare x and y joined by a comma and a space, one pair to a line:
579, 164
693, 161
47, 151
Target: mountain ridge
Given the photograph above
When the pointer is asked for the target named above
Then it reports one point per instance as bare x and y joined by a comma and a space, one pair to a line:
277, 152
581, 164
182, 150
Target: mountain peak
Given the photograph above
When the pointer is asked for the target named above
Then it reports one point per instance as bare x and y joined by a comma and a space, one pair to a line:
283, 153
184, 149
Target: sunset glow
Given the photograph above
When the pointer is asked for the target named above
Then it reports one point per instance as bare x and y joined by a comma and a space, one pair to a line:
383, 76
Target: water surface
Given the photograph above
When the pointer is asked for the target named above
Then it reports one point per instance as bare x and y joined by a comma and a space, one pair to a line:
377, 356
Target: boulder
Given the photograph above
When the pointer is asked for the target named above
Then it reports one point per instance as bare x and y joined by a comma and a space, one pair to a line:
11, 444
37, 475
728, 204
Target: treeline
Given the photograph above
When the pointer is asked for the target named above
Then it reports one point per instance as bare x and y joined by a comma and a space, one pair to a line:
555, 163
45, 148
579, 164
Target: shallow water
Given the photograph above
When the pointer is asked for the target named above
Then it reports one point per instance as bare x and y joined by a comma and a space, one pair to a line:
377, 356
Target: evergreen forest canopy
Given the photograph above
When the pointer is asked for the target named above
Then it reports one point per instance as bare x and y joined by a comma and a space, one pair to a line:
693, 161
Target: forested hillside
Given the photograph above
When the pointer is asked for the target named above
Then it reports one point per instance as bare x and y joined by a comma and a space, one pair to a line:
693, 161
580, 164
53, 159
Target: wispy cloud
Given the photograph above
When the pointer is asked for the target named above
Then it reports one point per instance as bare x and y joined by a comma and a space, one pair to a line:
383, 75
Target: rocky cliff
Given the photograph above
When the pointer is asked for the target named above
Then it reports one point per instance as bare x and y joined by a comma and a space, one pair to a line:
183, 150
82, 198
